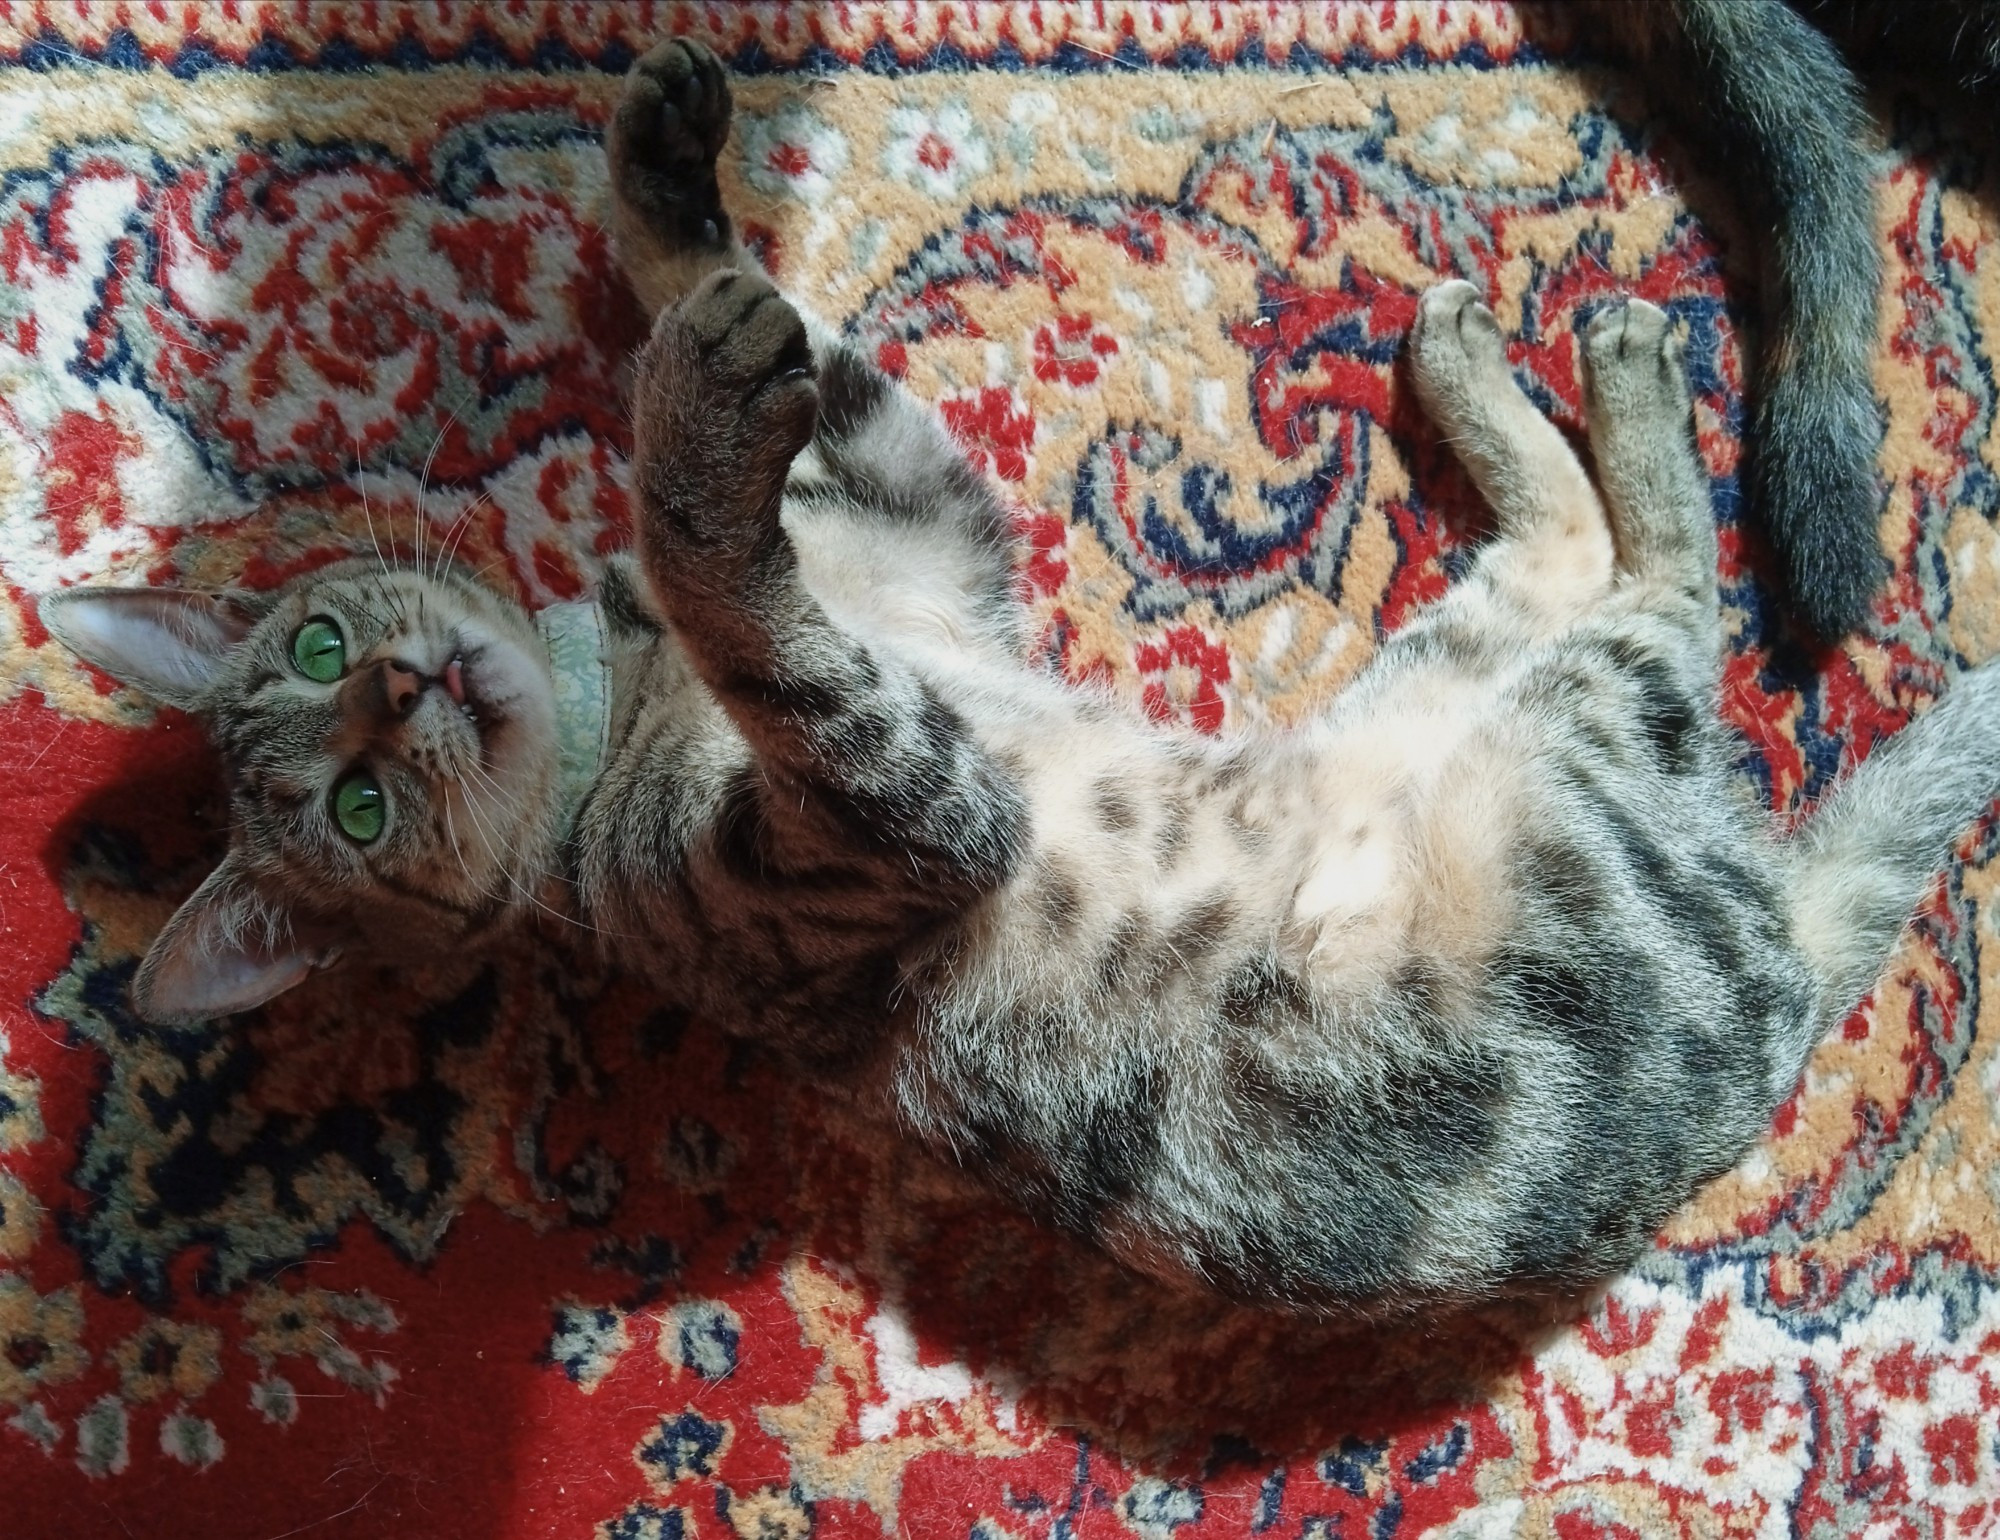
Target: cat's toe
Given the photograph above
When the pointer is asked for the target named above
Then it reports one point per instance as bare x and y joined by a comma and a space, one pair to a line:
1442, 302
1451, 317
749, 334
680, 94
1456, 349
1632, 359
1455, 343
719, 306
668, 128
727, 393
771, 355
1631, 328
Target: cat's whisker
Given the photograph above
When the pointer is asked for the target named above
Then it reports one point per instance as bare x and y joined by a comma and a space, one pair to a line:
398, 606
451, 837
180, 344
540, 873
368, 513
505, 870
479, 829
457, 533
485, 890
485, 778
424, 480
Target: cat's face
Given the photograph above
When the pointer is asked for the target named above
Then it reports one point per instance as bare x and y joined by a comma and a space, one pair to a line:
390, 743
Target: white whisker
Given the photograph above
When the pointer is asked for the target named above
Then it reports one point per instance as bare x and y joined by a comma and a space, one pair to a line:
368, 513
451, 834
424, 479
479, 828
457, 533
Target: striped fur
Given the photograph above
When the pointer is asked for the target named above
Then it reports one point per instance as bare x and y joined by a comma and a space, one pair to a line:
1458, 989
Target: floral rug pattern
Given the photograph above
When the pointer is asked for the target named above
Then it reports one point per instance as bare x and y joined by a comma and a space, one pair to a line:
508, 1251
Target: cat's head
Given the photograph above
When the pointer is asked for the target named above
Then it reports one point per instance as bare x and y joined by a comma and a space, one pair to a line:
391, 752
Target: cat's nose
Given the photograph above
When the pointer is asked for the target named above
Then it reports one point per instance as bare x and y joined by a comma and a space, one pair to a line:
402, 686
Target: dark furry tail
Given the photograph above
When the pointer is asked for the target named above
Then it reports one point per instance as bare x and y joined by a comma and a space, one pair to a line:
1784, 114
1863, 861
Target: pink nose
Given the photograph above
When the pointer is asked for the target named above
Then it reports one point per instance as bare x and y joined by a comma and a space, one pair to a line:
403, 686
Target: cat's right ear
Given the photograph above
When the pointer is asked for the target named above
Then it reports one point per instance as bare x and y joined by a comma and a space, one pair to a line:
167, 642
228, 948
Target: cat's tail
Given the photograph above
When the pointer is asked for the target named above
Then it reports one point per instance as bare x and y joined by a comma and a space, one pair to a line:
1784, 113
1863, 861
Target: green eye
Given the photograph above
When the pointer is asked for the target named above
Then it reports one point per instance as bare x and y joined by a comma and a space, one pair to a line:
359, 807
319, 652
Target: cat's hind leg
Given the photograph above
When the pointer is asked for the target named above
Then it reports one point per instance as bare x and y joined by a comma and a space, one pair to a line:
667, 219
1552, 557
1642, 437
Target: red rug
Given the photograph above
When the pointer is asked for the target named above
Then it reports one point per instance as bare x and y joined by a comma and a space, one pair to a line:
507, 1252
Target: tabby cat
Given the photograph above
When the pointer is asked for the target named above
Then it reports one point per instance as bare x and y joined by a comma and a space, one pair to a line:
1763, 83
1458, 988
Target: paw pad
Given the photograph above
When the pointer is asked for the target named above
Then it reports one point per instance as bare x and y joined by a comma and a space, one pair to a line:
669, 127
682, 87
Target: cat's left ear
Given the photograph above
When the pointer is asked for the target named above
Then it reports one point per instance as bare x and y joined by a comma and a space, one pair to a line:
230, 947
168, 642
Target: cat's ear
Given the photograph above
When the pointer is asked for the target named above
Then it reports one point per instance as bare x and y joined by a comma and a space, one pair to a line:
228, 948
167, 642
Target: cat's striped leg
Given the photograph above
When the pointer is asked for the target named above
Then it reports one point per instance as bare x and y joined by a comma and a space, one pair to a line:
851, 748
667, 218
1552, 558
1642, 437
895, 522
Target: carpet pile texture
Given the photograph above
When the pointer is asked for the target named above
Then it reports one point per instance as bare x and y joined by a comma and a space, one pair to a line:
506, 1251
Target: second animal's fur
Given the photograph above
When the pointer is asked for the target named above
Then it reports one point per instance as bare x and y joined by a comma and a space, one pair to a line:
1460, 987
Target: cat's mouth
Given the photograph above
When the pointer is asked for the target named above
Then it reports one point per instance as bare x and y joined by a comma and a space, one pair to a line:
475, 708
480, 685
478, 714
487, 706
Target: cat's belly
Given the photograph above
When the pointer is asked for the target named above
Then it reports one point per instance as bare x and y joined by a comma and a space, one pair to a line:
1407, 825
1157, 865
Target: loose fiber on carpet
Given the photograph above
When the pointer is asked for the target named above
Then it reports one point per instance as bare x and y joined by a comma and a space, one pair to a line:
508, 1252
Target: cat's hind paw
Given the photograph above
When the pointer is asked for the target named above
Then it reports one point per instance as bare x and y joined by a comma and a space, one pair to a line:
1632, 365
1456, 352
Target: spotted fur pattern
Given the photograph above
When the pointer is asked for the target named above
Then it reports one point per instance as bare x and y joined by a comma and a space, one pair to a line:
1459, 988
1462, 987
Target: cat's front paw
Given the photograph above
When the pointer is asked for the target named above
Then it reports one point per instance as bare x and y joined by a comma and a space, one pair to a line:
668, 128
726, 399
1632, 365
756, 361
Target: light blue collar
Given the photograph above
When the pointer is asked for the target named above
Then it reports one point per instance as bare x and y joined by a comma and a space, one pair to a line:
580, 664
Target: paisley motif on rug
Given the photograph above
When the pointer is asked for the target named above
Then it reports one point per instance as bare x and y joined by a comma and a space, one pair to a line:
505, 1250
